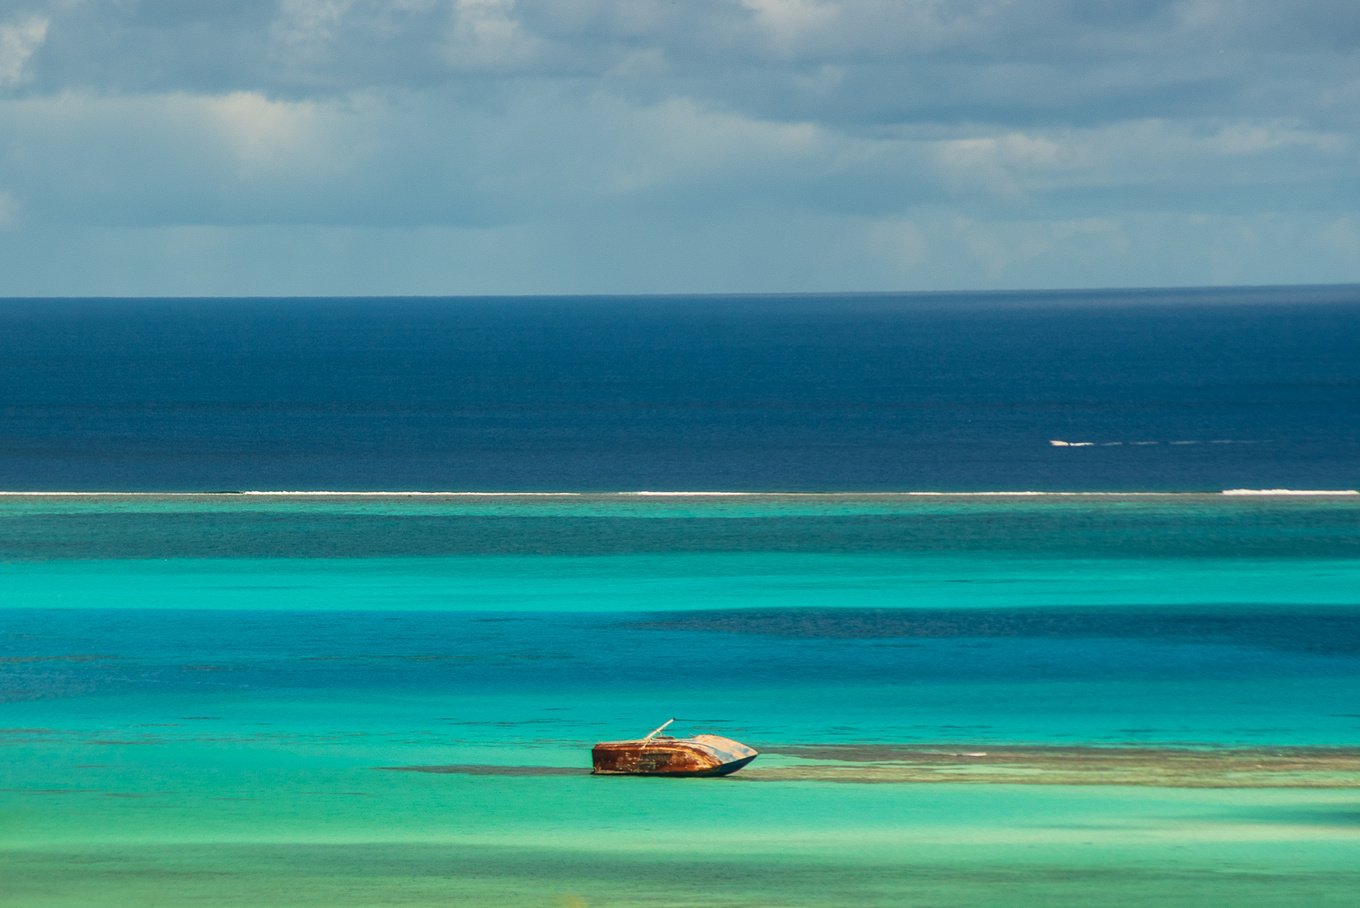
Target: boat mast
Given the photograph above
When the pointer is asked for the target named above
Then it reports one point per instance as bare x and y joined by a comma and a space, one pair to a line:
658, 731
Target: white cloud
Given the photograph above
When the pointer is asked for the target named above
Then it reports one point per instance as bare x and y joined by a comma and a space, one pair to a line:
789, 23
1247, 138
997, 164
180, 158
265, 136
310, 27
18, 41
487, 35
1176, 159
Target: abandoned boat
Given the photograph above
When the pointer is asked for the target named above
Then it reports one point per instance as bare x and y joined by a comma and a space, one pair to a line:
662, 755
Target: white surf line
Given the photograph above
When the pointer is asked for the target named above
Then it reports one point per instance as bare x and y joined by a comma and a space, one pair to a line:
710, 494
885, 495
288, 494
335, 494
1291, 492
663, 494
868, 494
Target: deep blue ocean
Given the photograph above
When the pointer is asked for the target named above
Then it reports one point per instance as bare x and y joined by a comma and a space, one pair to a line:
204, 689
1174, 391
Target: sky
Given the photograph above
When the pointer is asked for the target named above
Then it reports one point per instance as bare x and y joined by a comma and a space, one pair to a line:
335, 147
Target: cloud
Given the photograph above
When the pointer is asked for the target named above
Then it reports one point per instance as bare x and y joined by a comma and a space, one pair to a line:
876, 140
18, 41
996, 163
912, 58
540, 150
789, 24
487, 35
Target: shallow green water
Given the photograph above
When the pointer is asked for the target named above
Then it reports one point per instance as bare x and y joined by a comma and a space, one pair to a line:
675, 581
308, 834
209, 728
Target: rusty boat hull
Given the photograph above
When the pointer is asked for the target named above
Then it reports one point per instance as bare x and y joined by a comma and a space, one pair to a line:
701, 755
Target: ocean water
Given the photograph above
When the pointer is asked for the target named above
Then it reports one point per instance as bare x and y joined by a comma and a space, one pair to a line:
204, 696
217, 699
1173, 390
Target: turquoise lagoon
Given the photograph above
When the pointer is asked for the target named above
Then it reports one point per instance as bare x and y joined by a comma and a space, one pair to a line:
202, 696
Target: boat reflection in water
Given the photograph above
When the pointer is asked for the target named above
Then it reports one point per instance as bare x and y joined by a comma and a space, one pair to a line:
662, 755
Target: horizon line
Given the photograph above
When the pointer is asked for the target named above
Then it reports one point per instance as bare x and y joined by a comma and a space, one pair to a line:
712, 294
